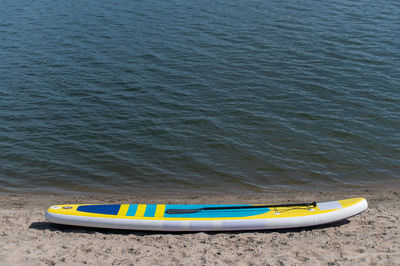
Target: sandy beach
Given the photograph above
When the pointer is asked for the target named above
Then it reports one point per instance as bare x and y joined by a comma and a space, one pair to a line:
370, 238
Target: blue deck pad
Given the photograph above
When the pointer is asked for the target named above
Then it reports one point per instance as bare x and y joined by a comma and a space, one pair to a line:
100, 209
214, 213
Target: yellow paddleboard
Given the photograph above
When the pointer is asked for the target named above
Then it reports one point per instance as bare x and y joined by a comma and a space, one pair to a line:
169, 217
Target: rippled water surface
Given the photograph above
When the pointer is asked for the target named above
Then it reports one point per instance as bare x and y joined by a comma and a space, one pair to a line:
198, 95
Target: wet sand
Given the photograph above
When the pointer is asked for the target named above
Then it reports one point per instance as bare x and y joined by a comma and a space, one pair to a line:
372, 237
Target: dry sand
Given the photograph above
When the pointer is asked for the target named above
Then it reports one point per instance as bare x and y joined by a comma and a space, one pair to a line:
372, 237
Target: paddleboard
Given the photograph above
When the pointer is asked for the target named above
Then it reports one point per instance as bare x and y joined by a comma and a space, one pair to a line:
170, 217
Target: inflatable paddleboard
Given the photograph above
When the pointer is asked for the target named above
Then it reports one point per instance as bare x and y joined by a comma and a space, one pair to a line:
169, 217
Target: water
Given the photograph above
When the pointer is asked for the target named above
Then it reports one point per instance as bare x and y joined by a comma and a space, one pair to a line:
188, 95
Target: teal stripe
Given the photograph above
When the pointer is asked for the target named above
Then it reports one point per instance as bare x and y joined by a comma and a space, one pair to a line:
132, 210
150, 210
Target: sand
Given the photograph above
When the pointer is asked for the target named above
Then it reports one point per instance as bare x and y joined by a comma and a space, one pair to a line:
370, 238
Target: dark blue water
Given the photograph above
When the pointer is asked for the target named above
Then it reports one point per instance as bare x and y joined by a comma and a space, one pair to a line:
198, 95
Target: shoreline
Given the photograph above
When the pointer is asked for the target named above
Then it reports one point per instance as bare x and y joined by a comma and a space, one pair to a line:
350, 188
372, 237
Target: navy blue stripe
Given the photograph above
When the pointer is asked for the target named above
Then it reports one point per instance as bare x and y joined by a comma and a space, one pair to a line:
100, 209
